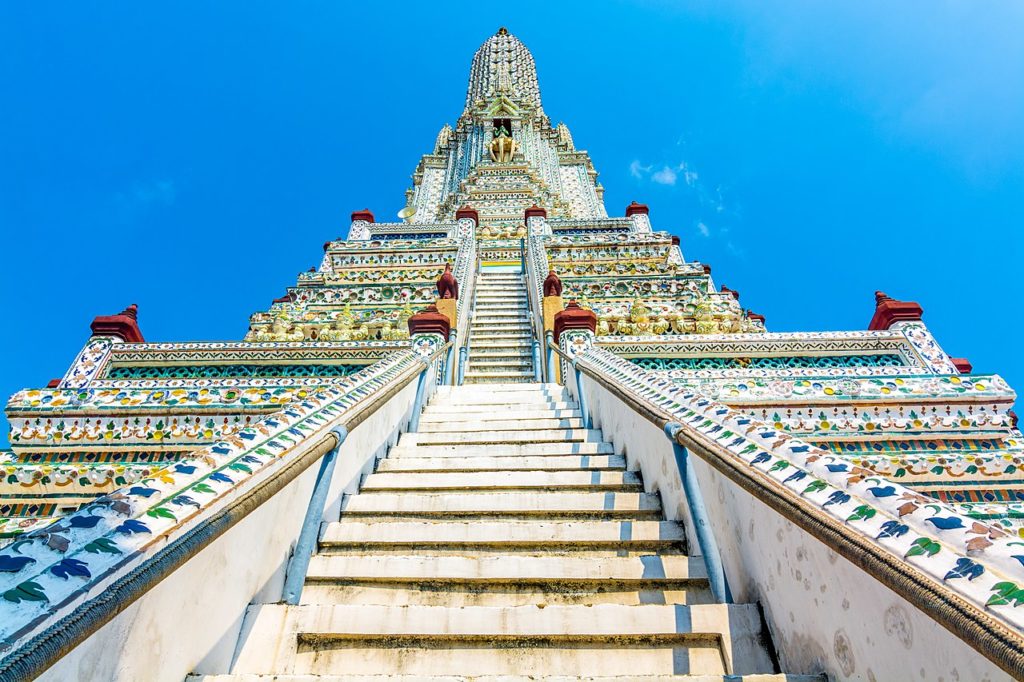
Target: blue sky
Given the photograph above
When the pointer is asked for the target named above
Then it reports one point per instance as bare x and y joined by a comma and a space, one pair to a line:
192, 157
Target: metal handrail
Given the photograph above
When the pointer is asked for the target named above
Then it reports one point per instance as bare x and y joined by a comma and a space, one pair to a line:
691, 487
37, 654
298, 564
460, 375
991, 637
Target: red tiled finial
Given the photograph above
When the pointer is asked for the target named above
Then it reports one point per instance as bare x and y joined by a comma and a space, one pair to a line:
430, 321
287, 298
53, 383
574, 317
706, 268
534, 211
1013, 418
751, 315
552, 284
365, 214
963, 365
124, 325
675, 240
467, 212
889, 311
637, 209
447, 285
727, 290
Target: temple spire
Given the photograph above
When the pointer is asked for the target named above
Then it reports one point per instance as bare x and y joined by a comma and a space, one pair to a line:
503, 65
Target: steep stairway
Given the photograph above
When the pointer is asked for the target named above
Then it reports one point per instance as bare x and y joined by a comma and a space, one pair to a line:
500, 338
503, 540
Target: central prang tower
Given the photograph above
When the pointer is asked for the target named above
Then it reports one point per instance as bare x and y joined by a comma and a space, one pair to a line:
503, 155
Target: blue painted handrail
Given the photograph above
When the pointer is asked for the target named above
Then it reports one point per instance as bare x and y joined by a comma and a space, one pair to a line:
462, 365
549, 339
538, 369
417, 406
450, 361
699, 514
298, 564
582, 397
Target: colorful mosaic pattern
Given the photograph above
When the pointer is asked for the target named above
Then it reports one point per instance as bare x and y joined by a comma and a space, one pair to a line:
46, 571
784, 362
915, 529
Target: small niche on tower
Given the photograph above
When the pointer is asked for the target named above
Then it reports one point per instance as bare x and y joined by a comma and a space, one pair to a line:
503, 126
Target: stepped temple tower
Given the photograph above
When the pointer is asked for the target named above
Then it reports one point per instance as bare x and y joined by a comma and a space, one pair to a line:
509, 435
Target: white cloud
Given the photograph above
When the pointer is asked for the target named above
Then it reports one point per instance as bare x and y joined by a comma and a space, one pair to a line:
666, 176
703, 229
638, 170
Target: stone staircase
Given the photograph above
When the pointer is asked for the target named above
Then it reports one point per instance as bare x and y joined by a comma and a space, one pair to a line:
500, 349
503, 540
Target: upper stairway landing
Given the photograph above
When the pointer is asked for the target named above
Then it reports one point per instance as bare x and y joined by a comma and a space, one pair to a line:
500, 341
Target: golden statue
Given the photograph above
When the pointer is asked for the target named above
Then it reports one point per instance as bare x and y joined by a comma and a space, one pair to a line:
503, 146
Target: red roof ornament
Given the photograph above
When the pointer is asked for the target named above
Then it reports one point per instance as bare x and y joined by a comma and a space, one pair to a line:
447, 285
889, 311
53, 383
706, 268
751, 315
467, 212
637, 209
534, 211
552, 285
124, 325
727, 290
430, 321
365, 214
963, 365
1013, 418
574, 317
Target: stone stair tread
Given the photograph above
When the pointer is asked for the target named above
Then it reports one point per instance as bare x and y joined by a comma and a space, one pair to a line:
602, 620
485, 463
435, 413
503, 480
501, 450
502, 533
260, 677
503, 436
456, 426
534, 503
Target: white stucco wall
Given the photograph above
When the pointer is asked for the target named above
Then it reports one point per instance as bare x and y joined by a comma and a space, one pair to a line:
825, 613
190, 621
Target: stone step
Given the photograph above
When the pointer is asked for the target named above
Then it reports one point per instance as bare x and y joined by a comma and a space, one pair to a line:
443, 415
481, 376
519, 339
491, 363
500, 322
488, 379
502, 311
256, 677
456, 595
524, 396
503, 436
511, 350
605, 639
485, 463
511, 536
483, 481
492, 358
585, 449
574, 504
545, 388
554, 408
